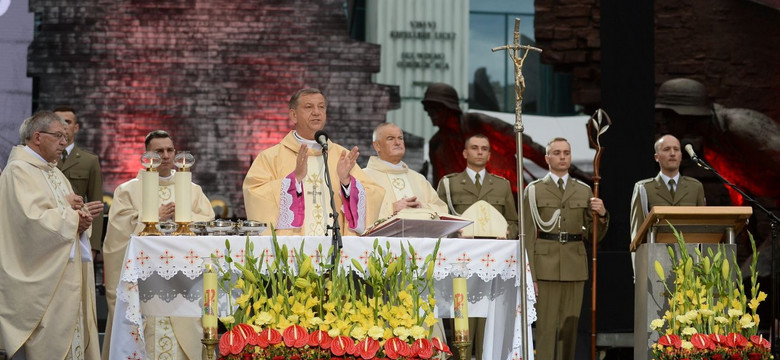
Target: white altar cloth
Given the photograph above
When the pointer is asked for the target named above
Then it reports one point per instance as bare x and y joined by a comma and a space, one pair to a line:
161, 276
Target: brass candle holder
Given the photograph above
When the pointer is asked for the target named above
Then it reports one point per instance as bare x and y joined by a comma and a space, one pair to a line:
211, 347
183, 229
463, 348
150, 229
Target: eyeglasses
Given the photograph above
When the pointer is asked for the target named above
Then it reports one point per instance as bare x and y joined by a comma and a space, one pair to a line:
57, 135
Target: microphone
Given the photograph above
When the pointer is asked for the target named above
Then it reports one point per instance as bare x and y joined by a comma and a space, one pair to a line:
321, 138
689, 150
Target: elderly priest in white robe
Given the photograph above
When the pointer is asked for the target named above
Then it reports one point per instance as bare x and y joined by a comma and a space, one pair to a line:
171, 337
404, 188
285, 185
47, 289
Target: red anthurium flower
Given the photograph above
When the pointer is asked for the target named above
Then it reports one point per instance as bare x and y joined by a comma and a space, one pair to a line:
320, 338
754, 356
248, 333
352, 349
718, 339
367, 348
230, 343
340, 344
269, 337
422, 348
701, 341
295, 336
439, 345
670, 340
395, 348
760, 341
736, 340
717, 357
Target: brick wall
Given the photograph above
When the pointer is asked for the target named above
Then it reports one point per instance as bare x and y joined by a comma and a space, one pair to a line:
216, 74
728, 45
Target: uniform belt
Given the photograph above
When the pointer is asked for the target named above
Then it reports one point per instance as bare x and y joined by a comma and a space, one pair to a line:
562, 237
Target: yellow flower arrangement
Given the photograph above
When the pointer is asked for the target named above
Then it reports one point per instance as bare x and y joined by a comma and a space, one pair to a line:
288, 308
709, 315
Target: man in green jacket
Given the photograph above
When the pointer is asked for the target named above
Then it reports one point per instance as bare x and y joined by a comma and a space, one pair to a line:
557, 220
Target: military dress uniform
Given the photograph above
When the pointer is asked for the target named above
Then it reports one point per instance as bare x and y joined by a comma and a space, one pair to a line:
82, 168
495, 190
654, 192
559, 264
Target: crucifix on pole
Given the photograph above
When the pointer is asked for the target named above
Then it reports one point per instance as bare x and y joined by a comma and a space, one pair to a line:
518, 53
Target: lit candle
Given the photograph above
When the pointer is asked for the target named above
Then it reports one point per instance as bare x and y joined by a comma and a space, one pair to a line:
182, 183
209, 301
150, 200
461, 309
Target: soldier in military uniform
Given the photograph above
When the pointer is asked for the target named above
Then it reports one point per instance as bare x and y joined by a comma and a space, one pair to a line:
82, 168
461, 190
668, 188
464, 190
557, 218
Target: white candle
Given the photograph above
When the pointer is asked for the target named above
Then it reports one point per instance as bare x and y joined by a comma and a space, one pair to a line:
461, 307
182, 183
150, 209
209, 317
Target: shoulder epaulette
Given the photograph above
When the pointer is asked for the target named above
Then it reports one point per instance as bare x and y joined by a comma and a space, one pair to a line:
498, 177
688, 178
581, 182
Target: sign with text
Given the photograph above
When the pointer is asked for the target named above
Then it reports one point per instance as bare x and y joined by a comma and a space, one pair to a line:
423, 41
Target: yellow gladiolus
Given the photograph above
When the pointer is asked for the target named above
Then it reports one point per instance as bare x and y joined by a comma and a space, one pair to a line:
660, 271
734, 312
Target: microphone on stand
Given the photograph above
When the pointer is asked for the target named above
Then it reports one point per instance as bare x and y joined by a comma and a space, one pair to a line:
689, 150
321, 138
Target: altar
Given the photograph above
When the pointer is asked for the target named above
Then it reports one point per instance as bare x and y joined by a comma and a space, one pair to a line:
161, 276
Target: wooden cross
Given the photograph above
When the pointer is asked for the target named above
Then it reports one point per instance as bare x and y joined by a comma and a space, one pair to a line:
514, 50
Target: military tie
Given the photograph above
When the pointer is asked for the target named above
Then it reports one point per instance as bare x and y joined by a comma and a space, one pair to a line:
671, 187
477, 183
64, 156
560, 186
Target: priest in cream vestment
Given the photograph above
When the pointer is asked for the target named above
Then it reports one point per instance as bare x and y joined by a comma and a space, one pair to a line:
404, 188
285, 186
47, 288
165, 337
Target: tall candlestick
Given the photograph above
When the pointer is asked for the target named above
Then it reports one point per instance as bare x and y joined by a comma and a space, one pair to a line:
209, 318
151, 200
182, 183
461, 309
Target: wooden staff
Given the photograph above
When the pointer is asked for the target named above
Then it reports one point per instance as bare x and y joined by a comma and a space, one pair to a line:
597, 125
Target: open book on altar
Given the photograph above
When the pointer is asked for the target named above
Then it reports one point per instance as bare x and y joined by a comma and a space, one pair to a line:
418, 223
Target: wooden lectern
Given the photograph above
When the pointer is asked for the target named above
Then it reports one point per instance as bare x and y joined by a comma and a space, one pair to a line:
702, 227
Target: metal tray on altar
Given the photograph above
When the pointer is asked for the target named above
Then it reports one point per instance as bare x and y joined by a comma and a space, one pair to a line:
221, 227
250, 227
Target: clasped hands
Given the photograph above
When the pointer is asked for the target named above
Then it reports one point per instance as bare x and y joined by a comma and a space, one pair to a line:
347, 161
87, 212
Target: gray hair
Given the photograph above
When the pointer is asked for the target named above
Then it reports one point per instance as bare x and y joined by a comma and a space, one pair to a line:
375, 135
40, 121
302, 92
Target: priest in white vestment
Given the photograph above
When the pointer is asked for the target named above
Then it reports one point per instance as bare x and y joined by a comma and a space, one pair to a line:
165, 337
47, 290
404, 188
285, 186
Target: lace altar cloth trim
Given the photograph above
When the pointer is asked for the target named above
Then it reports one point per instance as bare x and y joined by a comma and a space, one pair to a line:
161, 262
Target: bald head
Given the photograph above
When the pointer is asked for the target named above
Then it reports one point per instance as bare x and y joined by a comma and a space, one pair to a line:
668, 155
